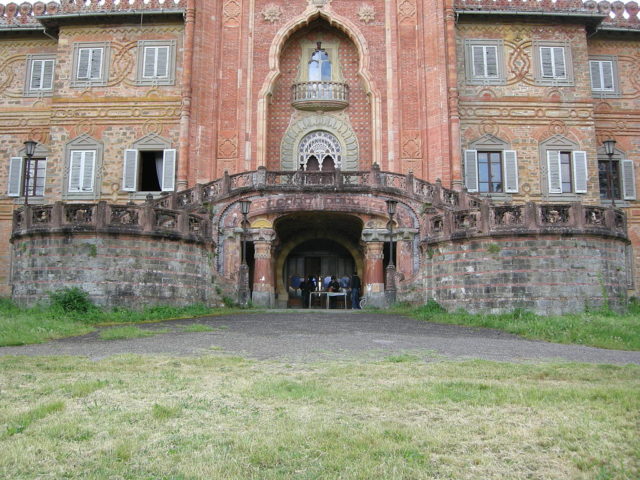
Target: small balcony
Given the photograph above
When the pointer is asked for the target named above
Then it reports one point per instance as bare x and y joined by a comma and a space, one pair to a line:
319, 96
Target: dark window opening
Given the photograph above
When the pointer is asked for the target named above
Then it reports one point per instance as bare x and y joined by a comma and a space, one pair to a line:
565, 172
150, 174
603, 179
490, 172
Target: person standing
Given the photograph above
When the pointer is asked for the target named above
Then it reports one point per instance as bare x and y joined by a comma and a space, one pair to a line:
355, 291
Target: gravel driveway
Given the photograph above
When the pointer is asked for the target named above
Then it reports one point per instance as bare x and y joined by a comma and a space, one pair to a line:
314, 335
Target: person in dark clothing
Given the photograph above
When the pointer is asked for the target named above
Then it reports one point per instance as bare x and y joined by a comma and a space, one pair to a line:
355, 291
310, 286
305, 293
334, 285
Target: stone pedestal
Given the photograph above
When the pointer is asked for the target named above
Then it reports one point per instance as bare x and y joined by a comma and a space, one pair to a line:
373, 283
263, 294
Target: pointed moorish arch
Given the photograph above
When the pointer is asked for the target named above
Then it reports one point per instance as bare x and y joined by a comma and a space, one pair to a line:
348, 28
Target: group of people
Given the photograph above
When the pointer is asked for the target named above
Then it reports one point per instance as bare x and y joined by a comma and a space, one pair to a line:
331, 284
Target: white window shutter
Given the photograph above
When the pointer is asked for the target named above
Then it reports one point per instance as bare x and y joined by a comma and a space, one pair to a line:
607, 76
84, 55
149, 62
162, 65
47, 74
471, 170
628, 180
96, 63
41, 181
168, 170
130, 171
553, 171
580, 171
478, 61
75, 171
596, 80
510, 171
491, 61
88, 168
546, 62
36, 75
559, 68
15, 177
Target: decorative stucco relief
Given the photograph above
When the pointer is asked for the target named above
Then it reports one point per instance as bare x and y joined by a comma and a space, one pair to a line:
366, 13
407, 11
411, 144
231, 12
227, 145
271, 13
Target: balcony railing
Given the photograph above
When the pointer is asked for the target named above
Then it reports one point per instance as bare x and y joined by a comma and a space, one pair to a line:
319, 95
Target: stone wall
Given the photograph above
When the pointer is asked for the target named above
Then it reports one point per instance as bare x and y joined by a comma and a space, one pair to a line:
548, 274
116, 270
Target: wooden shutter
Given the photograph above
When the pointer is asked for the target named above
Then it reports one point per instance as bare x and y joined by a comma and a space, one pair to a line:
36, 75
580, 171
559, 68
628, 180
553, 171
162, 62
471, 170
41, 179
546, 62
47, 74
75, 171
491, 61
478, 61
130, 171
88, 169
168, 170
596, 79
607, 76
84, 56
15, 177
96, 63
149, 62
510, 159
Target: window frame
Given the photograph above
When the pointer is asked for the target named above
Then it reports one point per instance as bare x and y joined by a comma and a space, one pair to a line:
625, 167
131, 165
615, 91
471, 77
540, 79
29, 91
509, 166
19, 194
170, 78
105, 63
83, 143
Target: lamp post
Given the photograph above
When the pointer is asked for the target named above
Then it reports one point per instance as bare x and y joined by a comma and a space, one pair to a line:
244, 268
29, 149
609, 149
391, 267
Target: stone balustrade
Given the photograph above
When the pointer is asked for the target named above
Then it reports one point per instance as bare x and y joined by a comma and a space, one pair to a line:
319, 95
146, 219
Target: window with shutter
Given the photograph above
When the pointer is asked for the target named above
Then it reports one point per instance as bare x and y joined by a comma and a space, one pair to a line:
91, 61
156, 62
484, 60
552, 64
40, 69
81, 171
604, 75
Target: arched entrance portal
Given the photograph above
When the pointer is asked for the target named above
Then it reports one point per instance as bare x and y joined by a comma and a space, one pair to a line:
315, 243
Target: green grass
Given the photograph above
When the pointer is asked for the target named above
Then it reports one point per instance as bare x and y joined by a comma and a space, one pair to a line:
604, 329
128, 331
399, 418
23, 326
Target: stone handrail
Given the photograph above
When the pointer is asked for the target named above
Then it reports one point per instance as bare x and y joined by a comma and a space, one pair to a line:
530, 218
26, 13
616, 14
323, 95
143, 219
297, 180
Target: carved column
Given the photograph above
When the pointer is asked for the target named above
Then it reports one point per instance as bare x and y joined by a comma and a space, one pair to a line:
373, 282
263, 294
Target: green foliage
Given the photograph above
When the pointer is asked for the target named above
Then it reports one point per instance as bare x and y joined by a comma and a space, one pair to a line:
71, 300
129, 331
493, 248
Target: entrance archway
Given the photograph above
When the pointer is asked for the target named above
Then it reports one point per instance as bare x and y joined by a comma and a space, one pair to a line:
316, 243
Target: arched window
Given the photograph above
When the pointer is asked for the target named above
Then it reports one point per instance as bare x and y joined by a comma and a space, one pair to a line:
319, 65
320, 150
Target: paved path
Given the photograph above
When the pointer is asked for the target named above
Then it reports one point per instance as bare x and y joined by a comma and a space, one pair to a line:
315, 335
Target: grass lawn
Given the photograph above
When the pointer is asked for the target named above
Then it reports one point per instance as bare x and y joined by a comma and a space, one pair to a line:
604, 328
220, 417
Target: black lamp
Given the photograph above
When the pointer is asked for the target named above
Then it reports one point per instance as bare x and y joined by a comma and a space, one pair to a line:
391, 210
609, 149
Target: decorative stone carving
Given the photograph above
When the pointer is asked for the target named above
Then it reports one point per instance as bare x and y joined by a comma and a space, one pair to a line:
78, 214
411, 144
406, 10
227, 146
124, 216
231, 11
465, 221
594, 216
271, 13
41, 215
554, 214
507, 216
450, 197
366, 13
437, 225
167, 221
